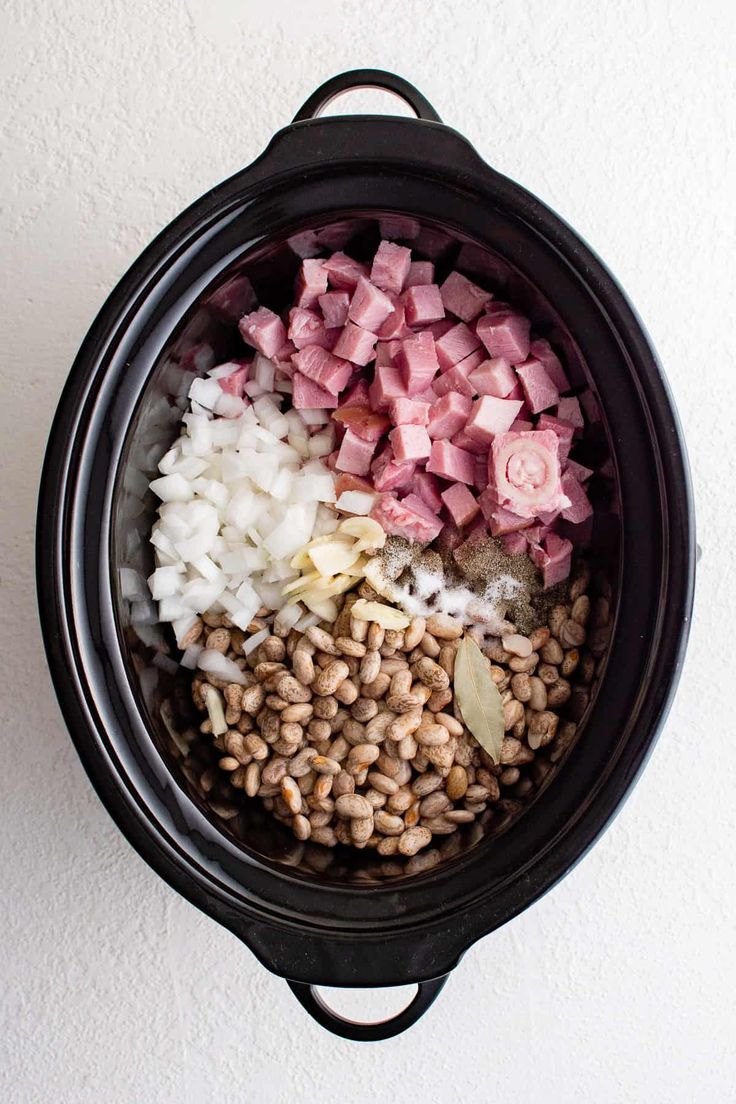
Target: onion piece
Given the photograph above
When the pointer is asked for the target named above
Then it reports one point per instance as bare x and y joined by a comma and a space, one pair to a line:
215, 663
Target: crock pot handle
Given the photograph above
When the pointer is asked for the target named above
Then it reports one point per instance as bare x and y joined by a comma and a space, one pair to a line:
366, 78
309, 998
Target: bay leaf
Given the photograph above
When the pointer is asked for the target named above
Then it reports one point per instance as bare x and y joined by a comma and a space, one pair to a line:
478, 698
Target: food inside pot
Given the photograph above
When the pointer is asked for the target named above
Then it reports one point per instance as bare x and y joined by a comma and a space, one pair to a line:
373, 549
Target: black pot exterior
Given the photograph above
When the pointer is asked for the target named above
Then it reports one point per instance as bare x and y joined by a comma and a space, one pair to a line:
414, 929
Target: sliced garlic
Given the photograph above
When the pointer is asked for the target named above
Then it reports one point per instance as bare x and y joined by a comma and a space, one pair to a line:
368, 532
385, 616
333, 557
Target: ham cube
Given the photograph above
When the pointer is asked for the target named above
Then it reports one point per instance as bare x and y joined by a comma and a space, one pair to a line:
383, 353
539, 390
554, 558
428, 488
388, 384
514, 544
494, 377
334, 306
233, 383
401, 520
470, 444
423, 304
369, 306
541, 350
490, 416
234, 299
264, 330
449, 414
461, 504
563, 430
388, 474
310, 283
580, 508
390, 267
458, 377
357, 395
343, 272
579, 472
455, 345
505, 335
409, 412
451, 462
355, 454
306, 327
410, 442
568, 410
363, 421
395, 325
420, 272
481, 468
524, 471
355, 344
463, 298
438, 329
323, 368
417, 361
307, 395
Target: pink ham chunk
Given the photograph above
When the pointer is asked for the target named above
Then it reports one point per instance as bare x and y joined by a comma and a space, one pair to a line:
580, 508
448, 415
264, 330
563, 430
427, 486
470, 444
323, 368
234, 299
410, 442
461, 504
390, 267
357, 395
524, 470
578, 471
417, 361
463, 298
439, 329
369, 306
423, 305
451, 462
505, 335
539, 390
568, 410
306, 327
455, 345
409, 412
420, 272
234, 381
395, 325
334, 306
355, 454
494, 377
308, 395
363, 421
481, 468
388, 384
514, 544
500, 520
343, 272
554, 558
543, 351
388, 474
458, 377
310, 283
356, 345
400, 519
490, 416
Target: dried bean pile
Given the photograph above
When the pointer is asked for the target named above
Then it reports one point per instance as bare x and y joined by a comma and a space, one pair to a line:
349, 733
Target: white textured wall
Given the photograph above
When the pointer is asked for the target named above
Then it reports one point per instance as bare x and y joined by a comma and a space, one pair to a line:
619, 986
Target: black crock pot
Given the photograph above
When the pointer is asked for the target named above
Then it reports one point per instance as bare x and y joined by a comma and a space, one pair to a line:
326, 180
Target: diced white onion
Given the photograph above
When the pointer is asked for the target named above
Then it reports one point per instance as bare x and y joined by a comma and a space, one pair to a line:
215, 663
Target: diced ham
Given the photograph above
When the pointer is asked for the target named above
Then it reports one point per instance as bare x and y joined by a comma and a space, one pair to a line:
514, 544
264, 330
524, 470
232, 384
401, 520
388, 384
449, 414
427, 486
420, 272
355, 454
388, 475
355, 344
463, 441
357, 395
562, 429
410, 442
463, 298
543, 351
458, 377
383, 353
451, 462
323, 368
283, 356
398, 226
234, 299
369, 306
395, 325
481, 467
490, 416
409, 412
505, 335
423, 304
568, 410
554, 558
417, 361
347, 482
539, 390
461, 503
501, 521
521, 426
310, 283
343, 272
494, 377
579, 471
363, 421
580, 508
306, 327
390, 267
455, 345
308, 395
415, 502
438, 329
334, 306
